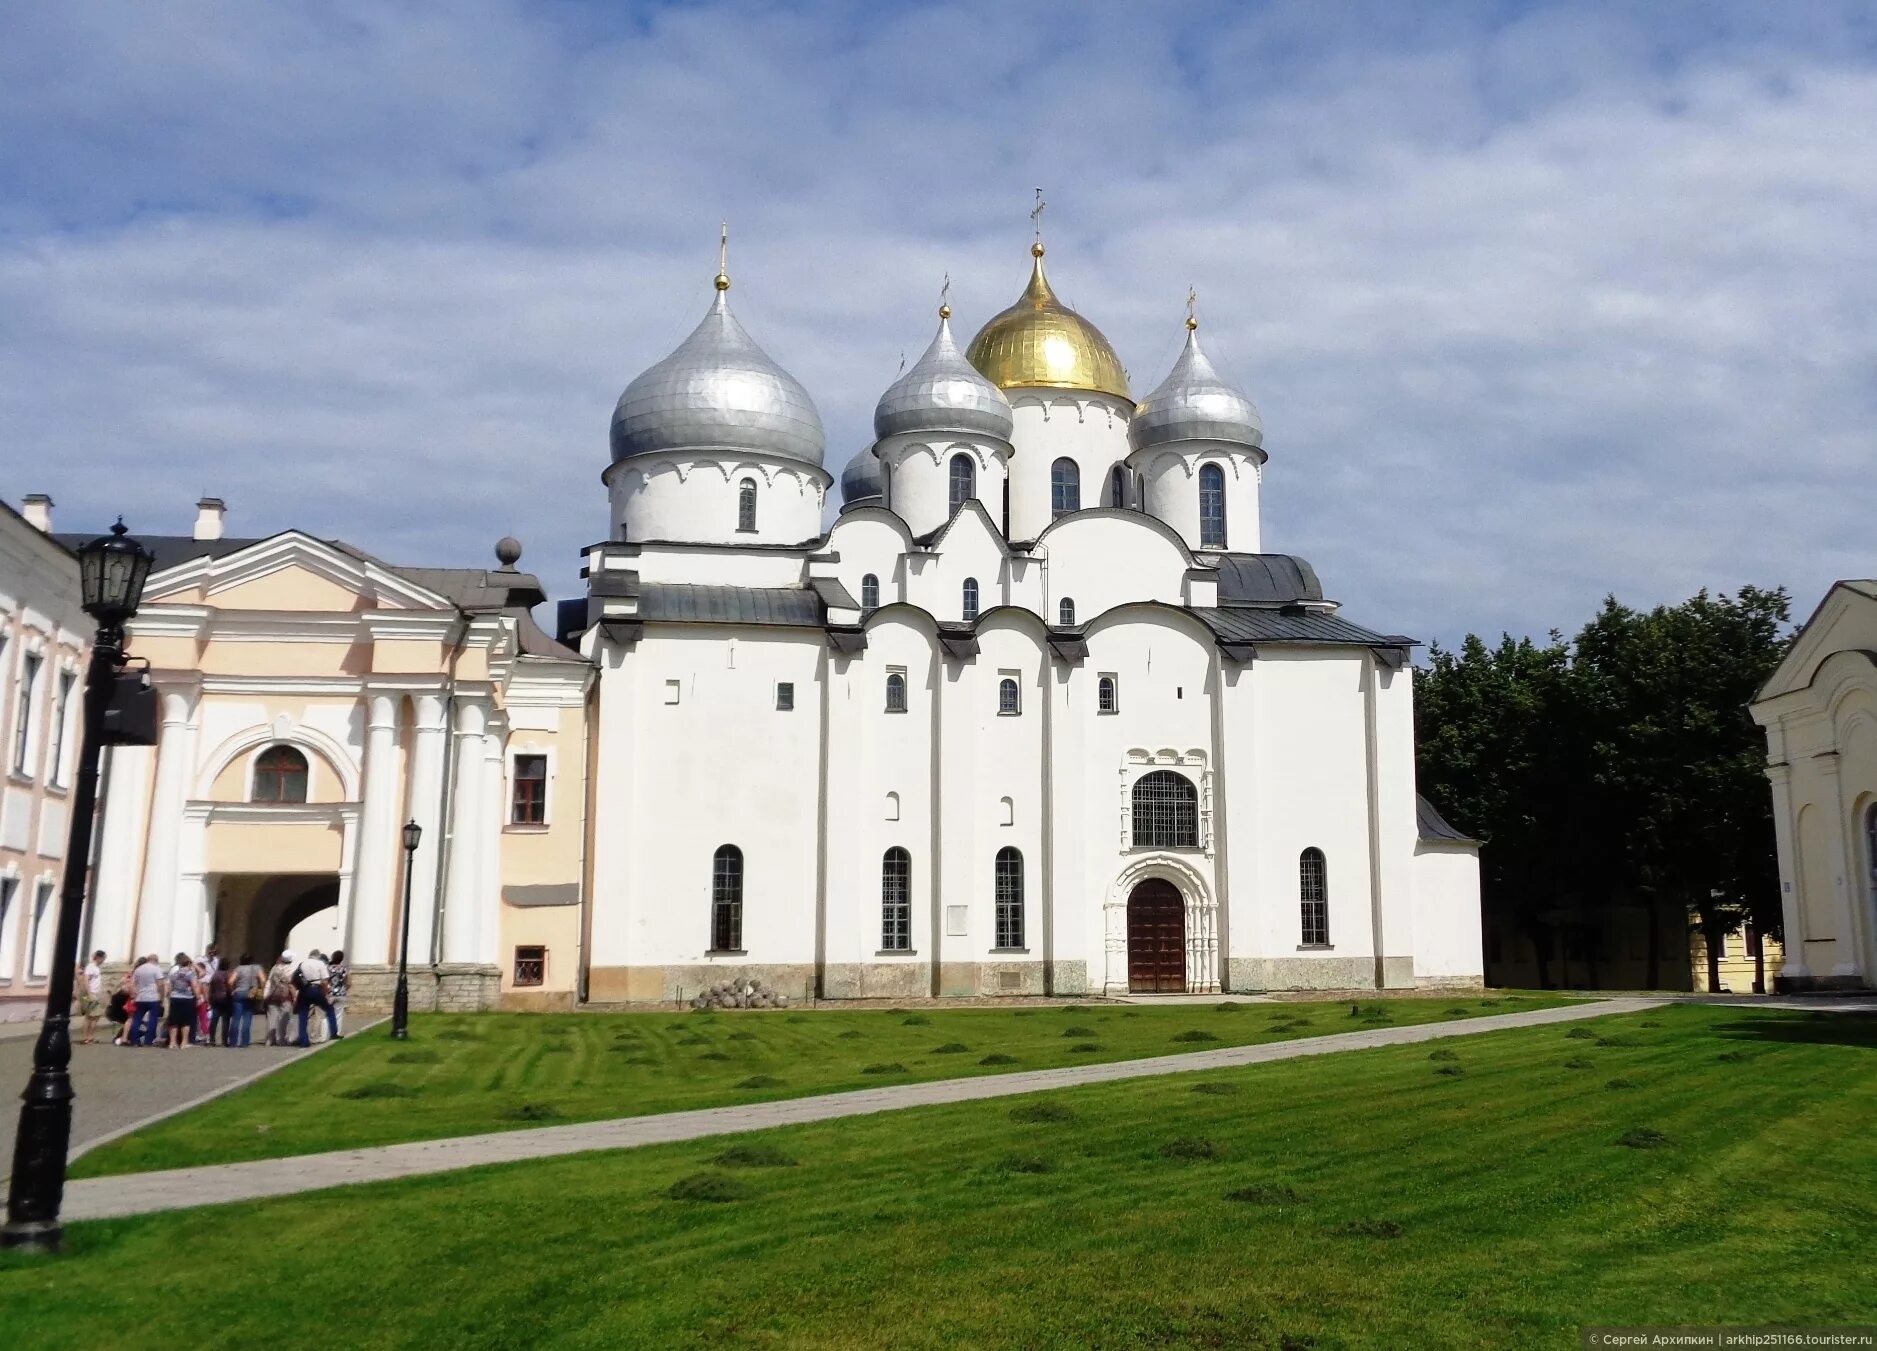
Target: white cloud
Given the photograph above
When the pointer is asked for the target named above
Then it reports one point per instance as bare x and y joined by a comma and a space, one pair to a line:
1533, 311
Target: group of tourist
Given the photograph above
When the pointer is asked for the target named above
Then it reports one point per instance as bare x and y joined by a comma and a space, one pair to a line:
212, 1002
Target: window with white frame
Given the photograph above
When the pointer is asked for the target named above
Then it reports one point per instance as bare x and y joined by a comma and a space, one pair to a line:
279, 775
870, 592
527, 800
1211, 507
39, 946
1065, 612
1009, 882
56, 768
1313, 887
9, 890
1009, 697
969, 601
30, 665
896, 901
1107, 694
896, 692
1117, 487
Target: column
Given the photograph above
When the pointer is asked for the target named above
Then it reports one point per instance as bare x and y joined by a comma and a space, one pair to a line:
126, 800
1850, 890
1792, 900
489, 895
175, 756
368, 940
464, 866
426, 808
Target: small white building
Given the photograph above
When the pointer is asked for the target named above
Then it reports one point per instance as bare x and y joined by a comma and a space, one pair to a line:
1036, 715
1819, 710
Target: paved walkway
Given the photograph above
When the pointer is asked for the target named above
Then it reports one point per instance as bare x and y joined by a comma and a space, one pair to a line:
139, 1193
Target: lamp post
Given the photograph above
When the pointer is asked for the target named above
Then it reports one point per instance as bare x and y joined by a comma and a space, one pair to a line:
401, 1001
112, 570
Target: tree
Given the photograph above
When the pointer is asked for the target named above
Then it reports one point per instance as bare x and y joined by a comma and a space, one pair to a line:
1619, 767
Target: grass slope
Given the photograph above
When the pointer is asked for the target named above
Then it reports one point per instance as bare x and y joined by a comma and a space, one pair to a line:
1362, 1200
466, 1074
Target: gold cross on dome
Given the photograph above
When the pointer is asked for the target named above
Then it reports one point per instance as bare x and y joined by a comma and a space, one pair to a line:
1036, 213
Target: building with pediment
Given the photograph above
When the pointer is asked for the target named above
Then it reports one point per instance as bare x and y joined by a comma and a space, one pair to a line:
1035, 714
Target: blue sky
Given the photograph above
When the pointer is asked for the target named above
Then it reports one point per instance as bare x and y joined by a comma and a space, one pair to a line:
1538, 301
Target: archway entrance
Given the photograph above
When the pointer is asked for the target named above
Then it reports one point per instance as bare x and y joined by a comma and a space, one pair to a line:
1156, 938
262, 913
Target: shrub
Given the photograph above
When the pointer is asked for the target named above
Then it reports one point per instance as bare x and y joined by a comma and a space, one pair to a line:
1080, 1032
1643, 1137
1265, 1194
1227, 1007
998, 1058
761, 1081
852, 1034
379, 1088
1650, 1022
1621, 1083
1457, 1012
1025, 1163
1192, 1147
1580, 1062
754, 1156
1195, 1035
713, 1188
713, 1055
1490, 1003
1614, 1041
1450, 1071
1733, 1057
1581, 1034
694, 1041
1369, 1229
1215, 1088
531, 1111
1443, 1054
1082, 1047
892, 1068
415, 1058
1041, 1113
917, 1020
951, 1048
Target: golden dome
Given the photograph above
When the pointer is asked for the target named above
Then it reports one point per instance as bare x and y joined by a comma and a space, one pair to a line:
1041, 342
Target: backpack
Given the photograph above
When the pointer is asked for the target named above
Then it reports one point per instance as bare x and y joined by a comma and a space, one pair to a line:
299, 981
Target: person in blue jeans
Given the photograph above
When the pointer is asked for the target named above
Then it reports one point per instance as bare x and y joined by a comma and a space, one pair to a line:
315, 993
147, 990
250, 983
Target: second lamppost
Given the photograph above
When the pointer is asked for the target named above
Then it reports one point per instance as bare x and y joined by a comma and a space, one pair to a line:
401, 1001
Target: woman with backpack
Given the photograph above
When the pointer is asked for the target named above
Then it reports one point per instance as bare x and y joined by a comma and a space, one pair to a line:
280, 999
222, 1006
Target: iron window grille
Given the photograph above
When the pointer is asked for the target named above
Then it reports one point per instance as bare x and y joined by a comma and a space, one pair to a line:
896, 901
964, 480
1313, 888
1007, 696
1166, 811
746, 505
896, 693
1009, 898
1211, 507
971, 599
530, 966
280, 775
1065, 487
528, 803
726, 899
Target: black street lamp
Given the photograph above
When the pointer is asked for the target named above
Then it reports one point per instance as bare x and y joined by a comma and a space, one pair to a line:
401, 1001
112, 571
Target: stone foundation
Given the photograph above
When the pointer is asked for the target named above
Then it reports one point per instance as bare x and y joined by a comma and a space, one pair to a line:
679, 984
1245, 974
876, 980
1818, 984
447, 988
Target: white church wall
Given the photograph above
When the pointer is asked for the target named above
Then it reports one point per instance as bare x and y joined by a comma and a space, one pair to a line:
1169, 477
971, 549
695, 497
918, 476
870, 541
1391, 784
1449, 949
717, 567
1103, 561
1090, 429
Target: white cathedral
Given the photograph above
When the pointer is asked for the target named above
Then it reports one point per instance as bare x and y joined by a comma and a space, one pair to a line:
1036, 715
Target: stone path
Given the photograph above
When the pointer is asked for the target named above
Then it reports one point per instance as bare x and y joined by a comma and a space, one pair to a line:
140, 1193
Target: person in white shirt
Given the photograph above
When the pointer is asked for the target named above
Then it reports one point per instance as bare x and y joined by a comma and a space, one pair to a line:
91, 996
316, 993
147, 988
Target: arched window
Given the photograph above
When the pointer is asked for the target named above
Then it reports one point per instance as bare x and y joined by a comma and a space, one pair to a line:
896, 693
1117, 487
1211, 507
1007, 696
1107, 698
870, 592
1065, 612
1313, 888
964, 480
1065, 487
280, 775
1166, 811
1009, 898
746, 505
726, 899
896, 901
971, 599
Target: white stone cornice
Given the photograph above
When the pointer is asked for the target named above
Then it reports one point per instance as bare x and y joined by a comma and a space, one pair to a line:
273, 813
409, 625
171, 621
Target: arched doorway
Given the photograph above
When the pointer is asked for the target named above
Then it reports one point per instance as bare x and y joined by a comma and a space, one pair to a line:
1156, 938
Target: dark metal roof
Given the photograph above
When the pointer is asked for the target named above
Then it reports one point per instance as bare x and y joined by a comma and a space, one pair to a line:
1242, 625
1266, 579
684, 604
170, 550
1433, 826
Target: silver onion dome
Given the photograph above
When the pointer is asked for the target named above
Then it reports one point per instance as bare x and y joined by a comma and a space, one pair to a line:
943, 393
1194, 404
862, 481
718, 391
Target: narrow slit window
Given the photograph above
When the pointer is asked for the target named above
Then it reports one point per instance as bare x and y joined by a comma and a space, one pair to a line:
870, 592
1211, 507
1065, 487
726, 899
1009, 893
746, 505
964, 480
1314, 893
970, 600
896, 901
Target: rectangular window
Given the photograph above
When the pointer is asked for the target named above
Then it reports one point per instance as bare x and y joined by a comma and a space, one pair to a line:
61, 712
9, 888
1107, 694
528, 805
530, 966
671, 691
785, 696
896, 901
39, 947
896, 689
23, 713
1009, 892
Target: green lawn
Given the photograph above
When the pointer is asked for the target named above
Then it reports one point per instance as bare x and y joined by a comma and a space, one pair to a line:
1375, 1199
469, 1073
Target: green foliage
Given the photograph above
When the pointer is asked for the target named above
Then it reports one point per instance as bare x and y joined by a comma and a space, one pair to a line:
1197, 1034
1191, 1147
1619, 768
755, 1156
